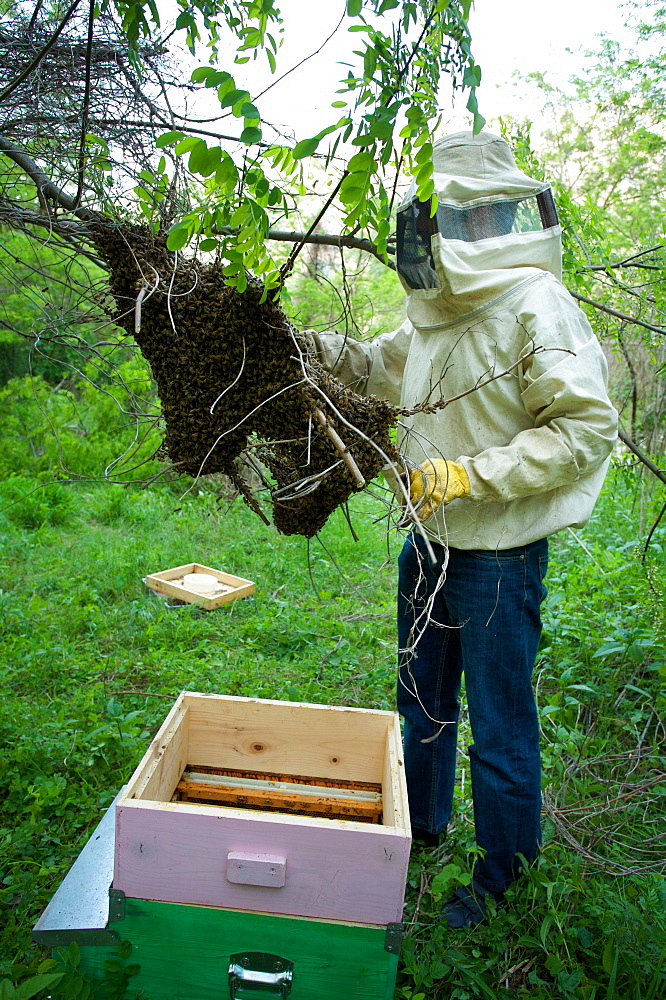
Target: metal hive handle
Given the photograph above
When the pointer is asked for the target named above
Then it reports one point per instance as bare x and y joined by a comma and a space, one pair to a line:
259, 972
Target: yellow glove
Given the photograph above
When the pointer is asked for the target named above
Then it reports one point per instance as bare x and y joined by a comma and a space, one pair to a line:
434, 483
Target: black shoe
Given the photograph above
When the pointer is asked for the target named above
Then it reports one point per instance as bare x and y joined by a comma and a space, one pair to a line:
467, 906
425, 838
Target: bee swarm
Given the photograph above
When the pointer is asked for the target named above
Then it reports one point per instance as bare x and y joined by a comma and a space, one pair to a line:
232, 371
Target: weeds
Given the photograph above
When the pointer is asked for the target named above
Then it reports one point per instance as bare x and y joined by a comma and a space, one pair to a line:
92, 660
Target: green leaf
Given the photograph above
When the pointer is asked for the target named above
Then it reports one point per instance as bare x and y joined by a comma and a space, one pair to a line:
248, 110
168, 139
209, 244
227, 100
178, 236
125, 949
185, 20
424, 154
424, 173
188, 143
608, 957
364, 140
35, 984
219, 79
226, 175
198, 157
426, 192
212, 161
361, 162
250, 134
305, 147
369, 62
7, 991
354, 7
202, 73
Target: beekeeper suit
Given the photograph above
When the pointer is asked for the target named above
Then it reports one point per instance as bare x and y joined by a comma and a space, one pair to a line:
509, 441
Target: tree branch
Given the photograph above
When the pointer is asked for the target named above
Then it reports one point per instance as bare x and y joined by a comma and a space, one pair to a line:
43, 183
287, 267
40, 55
614, 312
647, 462
630, 261
86, 105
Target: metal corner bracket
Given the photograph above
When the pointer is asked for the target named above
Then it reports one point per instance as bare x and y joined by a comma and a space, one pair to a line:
116, 904
395, 934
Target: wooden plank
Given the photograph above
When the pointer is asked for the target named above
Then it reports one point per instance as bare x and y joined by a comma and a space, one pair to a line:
184, 953
336, 869
396, 804
289, 737
158, 773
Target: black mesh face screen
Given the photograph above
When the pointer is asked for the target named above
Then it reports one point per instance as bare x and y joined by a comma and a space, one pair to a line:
415, 229
479, 223
499, 218
413, 254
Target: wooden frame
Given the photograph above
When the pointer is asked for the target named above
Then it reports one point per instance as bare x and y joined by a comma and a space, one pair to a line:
337, 869
163, 583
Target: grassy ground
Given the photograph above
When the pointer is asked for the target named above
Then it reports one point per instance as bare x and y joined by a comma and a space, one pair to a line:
91, 661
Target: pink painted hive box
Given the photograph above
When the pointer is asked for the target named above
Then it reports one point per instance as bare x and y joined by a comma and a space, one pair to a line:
268, 806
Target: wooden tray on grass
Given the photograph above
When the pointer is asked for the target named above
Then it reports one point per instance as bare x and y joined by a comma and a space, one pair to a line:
168, 582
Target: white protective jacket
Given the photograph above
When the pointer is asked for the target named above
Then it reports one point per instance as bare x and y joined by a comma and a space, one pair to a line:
536, 431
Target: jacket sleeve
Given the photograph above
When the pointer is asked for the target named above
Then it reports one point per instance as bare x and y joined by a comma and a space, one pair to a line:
369, 367
563, 389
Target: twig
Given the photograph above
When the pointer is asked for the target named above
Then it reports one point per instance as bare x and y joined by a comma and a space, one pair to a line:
40, 55
615, 312
652, 531
647, 462
86, 105
144, 694
443, 403
137, 309
287, 267
628, 261
341, 447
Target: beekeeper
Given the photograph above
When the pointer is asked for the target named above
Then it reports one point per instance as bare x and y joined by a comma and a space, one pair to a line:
519, 451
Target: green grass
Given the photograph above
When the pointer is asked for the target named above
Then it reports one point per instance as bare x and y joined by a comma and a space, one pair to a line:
91, 661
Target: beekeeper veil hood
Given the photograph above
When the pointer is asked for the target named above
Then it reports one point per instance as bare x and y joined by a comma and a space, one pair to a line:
494, 228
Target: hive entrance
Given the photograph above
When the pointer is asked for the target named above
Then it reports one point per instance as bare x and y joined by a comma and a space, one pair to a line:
359, 801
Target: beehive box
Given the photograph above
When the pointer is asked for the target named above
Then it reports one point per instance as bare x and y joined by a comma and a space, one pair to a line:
260, 847
273, 861
167, 582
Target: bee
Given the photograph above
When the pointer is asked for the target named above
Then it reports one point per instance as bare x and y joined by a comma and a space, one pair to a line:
230, 368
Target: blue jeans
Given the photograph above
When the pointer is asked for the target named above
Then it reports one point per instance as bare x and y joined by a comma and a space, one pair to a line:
480, 616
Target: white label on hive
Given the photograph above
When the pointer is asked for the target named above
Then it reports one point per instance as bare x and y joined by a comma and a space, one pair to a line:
256, 869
